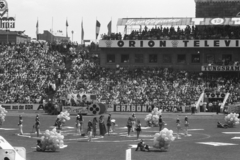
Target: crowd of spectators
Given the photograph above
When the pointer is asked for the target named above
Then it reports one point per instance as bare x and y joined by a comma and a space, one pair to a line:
32, 72
27, 70
152, 86
171, 33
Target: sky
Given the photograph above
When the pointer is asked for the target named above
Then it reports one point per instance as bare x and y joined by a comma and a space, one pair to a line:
53, 14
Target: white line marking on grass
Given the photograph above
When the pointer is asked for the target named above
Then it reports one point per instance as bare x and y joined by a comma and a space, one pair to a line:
8, 129
35, 137
231, 132
183, 134
64, 146
206, 136
68, 127
236, 138
23, 135
215, 144
132, 146
195, 129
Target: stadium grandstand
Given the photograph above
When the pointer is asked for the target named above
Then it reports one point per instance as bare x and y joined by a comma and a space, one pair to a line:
163, 62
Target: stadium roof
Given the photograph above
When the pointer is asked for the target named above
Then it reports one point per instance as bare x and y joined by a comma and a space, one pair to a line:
199, 1
177, 21
12, 32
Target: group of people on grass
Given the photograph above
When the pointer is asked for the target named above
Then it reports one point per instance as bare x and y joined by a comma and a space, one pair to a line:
137, 126
92, 125
36, 125
133, 125
104, 128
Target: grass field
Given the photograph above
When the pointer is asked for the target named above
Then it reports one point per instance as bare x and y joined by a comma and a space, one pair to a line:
203, 128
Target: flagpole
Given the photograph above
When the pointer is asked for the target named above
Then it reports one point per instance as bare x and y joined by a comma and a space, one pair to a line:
116, 28
7, 29
96, 31
82, 34
37, 28
66, 28
81, 30
52, 31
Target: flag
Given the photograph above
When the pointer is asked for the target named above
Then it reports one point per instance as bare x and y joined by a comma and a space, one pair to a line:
97, 28
66, 23
66, 28
37, 30
109, 26
125, 29
82, 34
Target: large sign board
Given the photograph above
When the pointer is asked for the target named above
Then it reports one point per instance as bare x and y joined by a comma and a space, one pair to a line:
169, 43
177, 21
92, 109
214, 68
3, 7
16, 106
79, 99
140, 108
75, 110
5, 21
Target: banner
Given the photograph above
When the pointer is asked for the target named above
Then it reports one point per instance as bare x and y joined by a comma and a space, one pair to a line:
7, 22
75, 110
22, 106
98, 25
131, 108
92, 109
234, 43
141, 108
220, 68
3, 7
214, 95
110, 107
235, 21
81, 99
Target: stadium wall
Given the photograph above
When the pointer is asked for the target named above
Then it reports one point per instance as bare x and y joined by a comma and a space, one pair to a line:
13, 38
216, 55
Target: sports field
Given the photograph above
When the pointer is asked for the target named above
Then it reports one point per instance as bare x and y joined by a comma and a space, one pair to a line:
206, 140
